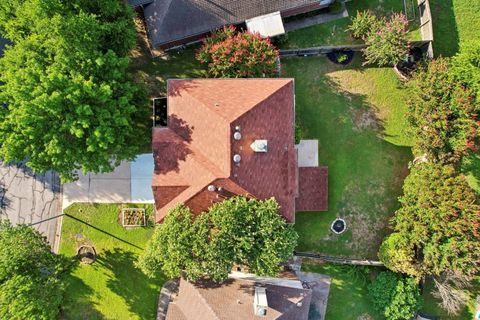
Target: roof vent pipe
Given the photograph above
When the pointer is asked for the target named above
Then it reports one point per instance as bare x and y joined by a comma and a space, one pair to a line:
237, 158
237, 135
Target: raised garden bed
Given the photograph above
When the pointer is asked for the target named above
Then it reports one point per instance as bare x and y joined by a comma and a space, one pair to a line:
133, 217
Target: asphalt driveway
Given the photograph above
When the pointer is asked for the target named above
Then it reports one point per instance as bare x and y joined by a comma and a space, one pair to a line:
26, 197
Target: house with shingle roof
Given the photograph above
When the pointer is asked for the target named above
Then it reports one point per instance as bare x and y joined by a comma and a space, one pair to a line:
172, 23
229, 137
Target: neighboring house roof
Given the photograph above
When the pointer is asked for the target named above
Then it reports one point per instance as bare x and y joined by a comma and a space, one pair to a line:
137, 3
234, 300
171, 20
196, 149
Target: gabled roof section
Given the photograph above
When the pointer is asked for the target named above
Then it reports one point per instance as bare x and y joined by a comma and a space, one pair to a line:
196, 149
170, 20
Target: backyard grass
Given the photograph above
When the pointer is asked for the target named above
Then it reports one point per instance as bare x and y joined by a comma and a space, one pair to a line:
348, 298
357, 114
110, 288
334, 32
454, 22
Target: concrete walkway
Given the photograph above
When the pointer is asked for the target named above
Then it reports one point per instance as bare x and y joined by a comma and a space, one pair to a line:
27, 198
318, 19
307, 153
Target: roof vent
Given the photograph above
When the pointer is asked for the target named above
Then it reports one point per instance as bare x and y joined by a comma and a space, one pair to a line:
237, 128
211, 188
259, 146
260, 303
237, 135
237, 158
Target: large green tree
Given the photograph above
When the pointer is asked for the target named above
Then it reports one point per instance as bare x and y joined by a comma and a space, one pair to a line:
443, 113
30, 275
437, 228
237, 231
71, 103
397, 297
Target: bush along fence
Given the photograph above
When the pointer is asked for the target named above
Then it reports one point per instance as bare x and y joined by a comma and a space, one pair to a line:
339, 260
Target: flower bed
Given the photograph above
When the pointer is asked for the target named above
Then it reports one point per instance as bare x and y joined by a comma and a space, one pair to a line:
133, 217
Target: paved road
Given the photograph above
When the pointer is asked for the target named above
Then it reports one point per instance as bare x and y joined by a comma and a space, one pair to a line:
26, 197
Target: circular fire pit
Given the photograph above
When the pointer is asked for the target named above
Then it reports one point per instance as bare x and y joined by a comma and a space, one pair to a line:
338, 226
86, 254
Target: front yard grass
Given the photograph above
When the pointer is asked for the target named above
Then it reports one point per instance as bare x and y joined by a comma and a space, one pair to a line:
110, 288
357, 114
348, 298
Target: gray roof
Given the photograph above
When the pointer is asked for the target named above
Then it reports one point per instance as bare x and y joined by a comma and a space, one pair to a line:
137, 3
170, 20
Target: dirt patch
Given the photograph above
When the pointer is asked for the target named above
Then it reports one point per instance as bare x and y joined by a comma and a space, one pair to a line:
365, 316
365, 119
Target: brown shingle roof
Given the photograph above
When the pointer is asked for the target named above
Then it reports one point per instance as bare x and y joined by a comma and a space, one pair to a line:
233, 300
313, 189
197, 148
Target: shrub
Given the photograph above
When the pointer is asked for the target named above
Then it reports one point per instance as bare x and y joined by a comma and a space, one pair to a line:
387, 42
362, 24
395, 296
232, 54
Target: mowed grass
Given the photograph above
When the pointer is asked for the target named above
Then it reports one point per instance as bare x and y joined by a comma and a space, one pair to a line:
110, 288
334, 32
454, 22
357, 114
348, 298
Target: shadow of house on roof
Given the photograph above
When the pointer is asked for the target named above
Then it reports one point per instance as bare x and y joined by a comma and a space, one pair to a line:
228, 137
172, 23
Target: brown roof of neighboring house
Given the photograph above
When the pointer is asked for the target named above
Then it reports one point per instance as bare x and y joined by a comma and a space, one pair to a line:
172, 20
197, 148
233, 300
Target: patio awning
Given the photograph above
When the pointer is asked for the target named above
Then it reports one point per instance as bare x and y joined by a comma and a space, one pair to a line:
268, 25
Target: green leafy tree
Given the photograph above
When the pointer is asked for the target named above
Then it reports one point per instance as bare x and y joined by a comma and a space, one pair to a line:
443, 113
386, 41
466, 67
30, 274
24, 298
71, 103
362, 24
232, 54
395, 296
236, 231
437, 229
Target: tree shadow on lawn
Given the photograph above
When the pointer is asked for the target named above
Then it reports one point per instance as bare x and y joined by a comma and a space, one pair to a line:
139, 292
78, 303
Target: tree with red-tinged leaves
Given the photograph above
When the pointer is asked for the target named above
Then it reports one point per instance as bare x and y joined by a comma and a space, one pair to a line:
229, 53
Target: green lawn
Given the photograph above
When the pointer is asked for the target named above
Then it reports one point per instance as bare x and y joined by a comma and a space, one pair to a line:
348, 298
110, 288
454, 22
334, 32
357, 114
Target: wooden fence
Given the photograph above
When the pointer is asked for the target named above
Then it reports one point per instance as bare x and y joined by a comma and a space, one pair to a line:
339, 260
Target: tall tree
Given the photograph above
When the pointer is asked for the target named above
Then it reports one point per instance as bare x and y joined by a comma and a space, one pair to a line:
236, 231
443, 114
71, 102
437, 229
30, 274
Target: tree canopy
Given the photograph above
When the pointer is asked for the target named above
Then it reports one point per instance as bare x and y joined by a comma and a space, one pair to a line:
30, 275
443, 113
397, 297
71, 103
236, 231
437, 229
232, 54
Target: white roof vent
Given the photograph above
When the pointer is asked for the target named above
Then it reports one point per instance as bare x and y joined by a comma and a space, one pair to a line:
259, 146
211, 188
237, 158
237, 135
260, 303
